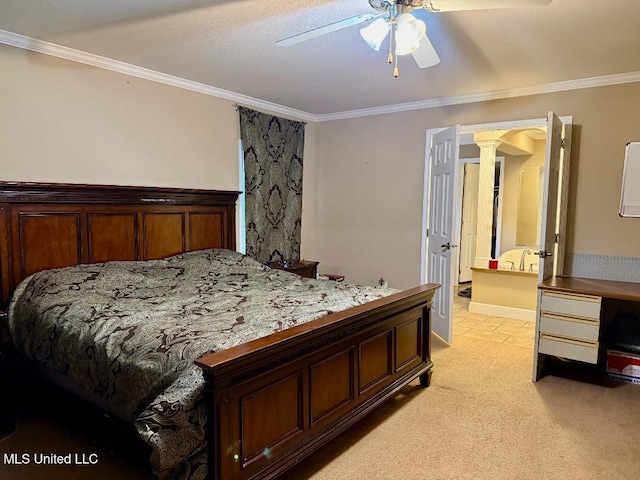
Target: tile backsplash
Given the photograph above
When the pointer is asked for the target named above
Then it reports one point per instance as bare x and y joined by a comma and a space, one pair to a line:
604, 267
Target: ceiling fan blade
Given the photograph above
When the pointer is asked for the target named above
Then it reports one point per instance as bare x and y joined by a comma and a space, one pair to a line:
425, 55
332, 27
457, 5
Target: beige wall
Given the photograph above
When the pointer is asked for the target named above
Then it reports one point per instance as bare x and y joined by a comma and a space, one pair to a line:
62, 121
370, 177
362, 209
67, 122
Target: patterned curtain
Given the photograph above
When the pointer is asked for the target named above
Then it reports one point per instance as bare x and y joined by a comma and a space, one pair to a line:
273, 149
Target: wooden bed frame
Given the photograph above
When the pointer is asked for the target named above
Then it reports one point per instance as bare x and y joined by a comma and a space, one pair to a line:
272, 401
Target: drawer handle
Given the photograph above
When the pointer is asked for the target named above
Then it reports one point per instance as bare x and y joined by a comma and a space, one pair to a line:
580, 343
574, 296
566, 318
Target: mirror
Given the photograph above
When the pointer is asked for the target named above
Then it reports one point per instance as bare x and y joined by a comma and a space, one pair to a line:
529, 198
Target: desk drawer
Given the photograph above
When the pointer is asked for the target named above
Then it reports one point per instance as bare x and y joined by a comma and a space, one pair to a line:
563, 326
585, 306
566, 348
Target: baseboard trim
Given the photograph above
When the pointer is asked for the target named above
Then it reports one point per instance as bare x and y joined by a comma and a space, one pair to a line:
502, 311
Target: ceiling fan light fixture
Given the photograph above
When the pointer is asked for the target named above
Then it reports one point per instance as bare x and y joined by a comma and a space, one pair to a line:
409, 32
375, 33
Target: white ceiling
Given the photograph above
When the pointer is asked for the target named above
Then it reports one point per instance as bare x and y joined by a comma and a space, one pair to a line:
230, 45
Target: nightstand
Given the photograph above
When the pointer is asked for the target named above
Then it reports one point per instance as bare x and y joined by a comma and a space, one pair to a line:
7, 417
304, 268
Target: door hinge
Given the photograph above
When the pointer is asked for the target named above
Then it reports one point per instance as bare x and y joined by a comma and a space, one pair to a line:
557, 238
562, 143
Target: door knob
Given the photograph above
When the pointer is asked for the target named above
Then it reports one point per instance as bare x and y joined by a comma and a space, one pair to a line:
447, 246
543, 254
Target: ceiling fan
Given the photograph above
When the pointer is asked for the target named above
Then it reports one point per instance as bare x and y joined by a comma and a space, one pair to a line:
406, 32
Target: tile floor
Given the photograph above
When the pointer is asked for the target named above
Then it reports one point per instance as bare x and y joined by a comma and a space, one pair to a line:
488, 327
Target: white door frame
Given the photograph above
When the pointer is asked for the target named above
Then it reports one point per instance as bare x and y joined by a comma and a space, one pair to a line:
469, 129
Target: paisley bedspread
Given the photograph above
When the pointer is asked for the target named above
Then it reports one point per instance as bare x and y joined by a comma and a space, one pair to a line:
129, 332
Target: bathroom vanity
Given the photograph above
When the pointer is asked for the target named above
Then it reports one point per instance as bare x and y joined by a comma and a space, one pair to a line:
504, 292
575, 321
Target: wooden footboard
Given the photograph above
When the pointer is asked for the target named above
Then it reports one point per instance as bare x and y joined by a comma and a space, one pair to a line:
272, 401
275, 400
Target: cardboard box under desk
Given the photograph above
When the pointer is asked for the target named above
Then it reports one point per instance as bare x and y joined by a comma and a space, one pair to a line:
624, 366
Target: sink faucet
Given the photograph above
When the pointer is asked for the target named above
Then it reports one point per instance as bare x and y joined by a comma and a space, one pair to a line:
524, 254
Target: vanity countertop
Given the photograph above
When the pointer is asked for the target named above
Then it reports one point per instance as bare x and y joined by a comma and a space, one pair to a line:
505, 271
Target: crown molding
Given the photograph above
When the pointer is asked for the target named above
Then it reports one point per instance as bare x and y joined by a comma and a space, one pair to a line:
592, 82
47, 48
41, 46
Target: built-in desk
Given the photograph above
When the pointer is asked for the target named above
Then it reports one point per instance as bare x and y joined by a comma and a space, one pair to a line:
574, 318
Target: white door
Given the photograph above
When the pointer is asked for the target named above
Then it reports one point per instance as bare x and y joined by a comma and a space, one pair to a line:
550, 198
469, 224
550, 207
563, 200
442, 254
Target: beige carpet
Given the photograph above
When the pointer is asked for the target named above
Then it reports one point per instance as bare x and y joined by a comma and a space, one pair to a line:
482, 418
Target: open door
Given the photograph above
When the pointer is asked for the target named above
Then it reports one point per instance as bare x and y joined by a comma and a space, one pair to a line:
549, 233
565, 168
469, 220
441, 251
548, 237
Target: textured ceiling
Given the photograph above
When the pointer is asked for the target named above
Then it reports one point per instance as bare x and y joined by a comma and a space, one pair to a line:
230, 45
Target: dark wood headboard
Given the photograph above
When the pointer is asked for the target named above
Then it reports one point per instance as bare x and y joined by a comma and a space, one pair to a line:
45, 225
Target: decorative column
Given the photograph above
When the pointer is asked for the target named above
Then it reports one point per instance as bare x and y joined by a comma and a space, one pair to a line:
486, 184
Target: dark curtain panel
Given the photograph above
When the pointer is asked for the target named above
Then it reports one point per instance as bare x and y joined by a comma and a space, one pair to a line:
273, 149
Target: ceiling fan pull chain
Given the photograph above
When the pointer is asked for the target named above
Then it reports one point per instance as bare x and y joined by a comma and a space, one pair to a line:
395, 70
390, 59
392, 36
394, 29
